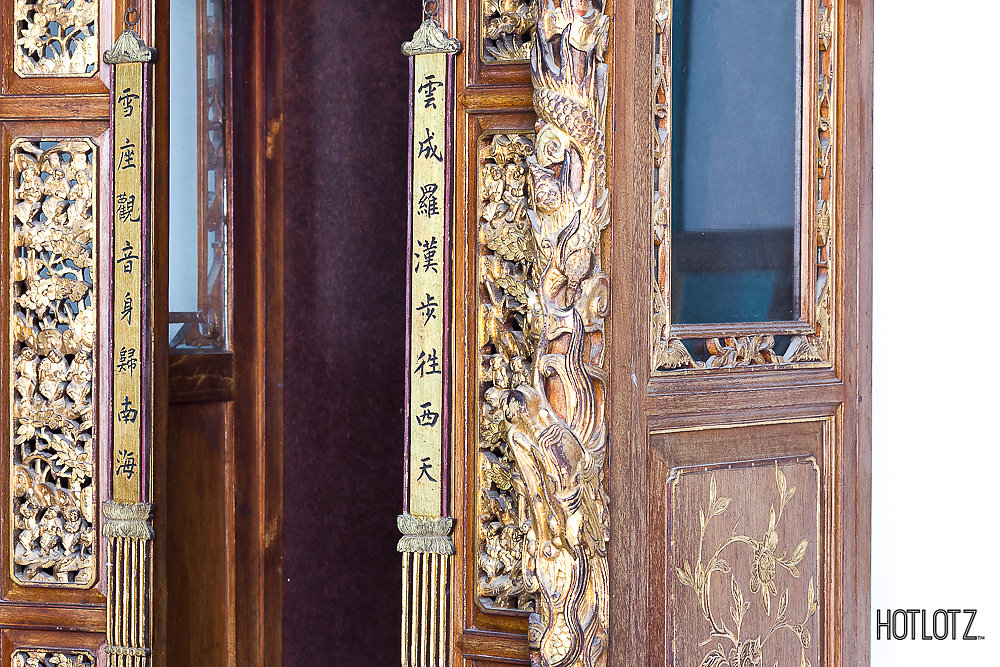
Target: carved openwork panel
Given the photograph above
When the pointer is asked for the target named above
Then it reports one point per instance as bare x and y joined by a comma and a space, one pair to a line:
506, 284
52, 334
745, 550
55, 37
809, 340
30, 657
506, 30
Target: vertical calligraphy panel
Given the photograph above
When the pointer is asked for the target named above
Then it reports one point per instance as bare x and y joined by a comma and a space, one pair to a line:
128, 467
428, 311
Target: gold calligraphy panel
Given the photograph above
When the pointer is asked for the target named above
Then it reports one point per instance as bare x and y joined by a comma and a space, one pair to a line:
427, 285
745, 543
129, 287
52, 332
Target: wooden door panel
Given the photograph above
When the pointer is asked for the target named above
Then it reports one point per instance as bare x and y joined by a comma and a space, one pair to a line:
763, 578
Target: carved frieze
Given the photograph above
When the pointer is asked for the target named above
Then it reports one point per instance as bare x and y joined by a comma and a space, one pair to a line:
507, 284
30, 657
52, 327
55, 37
815, 346
506, 30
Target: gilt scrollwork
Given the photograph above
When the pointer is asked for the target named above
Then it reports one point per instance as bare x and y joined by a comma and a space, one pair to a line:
553, 405
53, 336
506, 31
765, 615
55, 37
50, 658
670, 352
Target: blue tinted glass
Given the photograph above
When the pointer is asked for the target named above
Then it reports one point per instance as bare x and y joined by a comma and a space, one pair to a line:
734, 191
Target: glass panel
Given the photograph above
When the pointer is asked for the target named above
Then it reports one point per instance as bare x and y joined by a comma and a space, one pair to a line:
199, 207
735, 150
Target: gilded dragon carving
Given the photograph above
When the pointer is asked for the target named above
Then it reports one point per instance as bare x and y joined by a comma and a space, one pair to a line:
53, 337
554, 415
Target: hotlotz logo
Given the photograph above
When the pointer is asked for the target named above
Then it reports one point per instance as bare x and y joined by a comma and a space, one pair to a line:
940, 624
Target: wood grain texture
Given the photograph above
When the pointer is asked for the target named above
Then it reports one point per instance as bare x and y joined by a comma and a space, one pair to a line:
200, 534
201, 377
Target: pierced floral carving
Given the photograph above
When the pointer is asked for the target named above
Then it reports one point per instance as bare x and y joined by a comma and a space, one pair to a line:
507, 28
53, 335
769, 566
507, 282
49, 658
672, 353
55, 37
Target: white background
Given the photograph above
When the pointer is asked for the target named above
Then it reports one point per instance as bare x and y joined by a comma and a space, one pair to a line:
936, 403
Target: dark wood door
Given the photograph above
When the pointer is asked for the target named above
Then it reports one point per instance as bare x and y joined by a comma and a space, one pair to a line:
737, 353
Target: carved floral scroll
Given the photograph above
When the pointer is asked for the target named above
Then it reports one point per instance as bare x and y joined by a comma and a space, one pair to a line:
507, 282
52, 330
55, 37
811, 343
506, 30
553, 405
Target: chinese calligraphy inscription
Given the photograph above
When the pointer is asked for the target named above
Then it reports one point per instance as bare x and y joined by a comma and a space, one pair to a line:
128, 271
427, 284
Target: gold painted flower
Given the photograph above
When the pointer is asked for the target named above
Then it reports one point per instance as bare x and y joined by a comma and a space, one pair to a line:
762, 570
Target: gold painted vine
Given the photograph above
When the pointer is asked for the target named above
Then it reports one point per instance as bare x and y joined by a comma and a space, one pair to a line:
732, 648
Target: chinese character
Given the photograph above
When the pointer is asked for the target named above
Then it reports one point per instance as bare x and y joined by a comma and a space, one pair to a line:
425, 469
428, 149
429, 252
428, 417
127, 257
127, 360
427, 309
128, 414
126, 153
428, 90
428, 204
126, 464
127, 308
126, 206
126, 101
428, 364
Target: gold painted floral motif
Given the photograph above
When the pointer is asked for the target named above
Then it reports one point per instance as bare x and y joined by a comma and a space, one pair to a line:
53, 334
55, 37
507, 28
48, 658
670, 352
767, 566
507, 284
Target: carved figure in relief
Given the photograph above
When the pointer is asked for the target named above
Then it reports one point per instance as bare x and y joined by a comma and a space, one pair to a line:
53, 328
